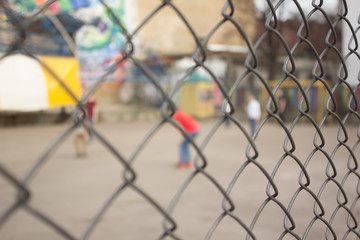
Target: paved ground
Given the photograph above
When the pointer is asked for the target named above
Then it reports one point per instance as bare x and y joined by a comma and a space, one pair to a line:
72, 190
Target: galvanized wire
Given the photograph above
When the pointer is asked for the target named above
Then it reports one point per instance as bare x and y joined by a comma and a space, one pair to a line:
251, 64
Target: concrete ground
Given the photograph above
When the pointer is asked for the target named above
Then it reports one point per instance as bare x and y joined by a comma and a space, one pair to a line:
71, 190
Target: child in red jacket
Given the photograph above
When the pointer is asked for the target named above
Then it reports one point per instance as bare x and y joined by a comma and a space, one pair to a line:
192, 127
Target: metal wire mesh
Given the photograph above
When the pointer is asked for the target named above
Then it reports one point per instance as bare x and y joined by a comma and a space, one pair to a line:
343, 188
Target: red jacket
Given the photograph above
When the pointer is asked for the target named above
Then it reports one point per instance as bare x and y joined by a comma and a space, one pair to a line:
188, 123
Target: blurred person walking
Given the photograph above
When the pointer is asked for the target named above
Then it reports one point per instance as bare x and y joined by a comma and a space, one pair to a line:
253, 110
80, 141
192, 127
90, 105
282, 105
80, 132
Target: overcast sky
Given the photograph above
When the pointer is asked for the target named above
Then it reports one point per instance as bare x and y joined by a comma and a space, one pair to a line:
289, 9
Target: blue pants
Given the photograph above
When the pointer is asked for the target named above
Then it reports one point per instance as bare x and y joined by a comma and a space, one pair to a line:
252, 125
184, 149
91, 121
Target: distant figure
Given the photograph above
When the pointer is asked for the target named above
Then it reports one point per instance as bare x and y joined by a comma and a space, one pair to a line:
191, 126
80, 141
227, 111
91, 111
282, 105
254, 112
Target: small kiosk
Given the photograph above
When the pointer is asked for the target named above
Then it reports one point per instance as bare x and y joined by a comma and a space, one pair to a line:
196, 97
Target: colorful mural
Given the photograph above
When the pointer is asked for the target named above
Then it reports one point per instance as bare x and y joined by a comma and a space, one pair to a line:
99, 45
26, 7
98, 40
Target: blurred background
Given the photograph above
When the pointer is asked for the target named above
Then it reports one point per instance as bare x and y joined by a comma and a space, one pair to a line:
81, 35
125, 60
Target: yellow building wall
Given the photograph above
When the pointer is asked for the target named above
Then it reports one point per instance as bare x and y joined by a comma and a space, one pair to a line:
67, 70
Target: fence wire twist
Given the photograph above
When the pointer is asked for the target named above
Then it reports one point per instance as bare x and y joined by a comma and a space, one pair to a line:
227, 209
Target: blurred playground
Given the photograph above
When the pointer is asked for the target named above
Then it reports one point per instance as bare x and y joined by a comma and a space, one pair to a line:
71, 190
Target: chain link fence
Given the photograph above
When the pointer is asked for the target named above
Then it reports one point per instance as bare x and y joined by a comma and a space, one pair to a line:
338, 180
